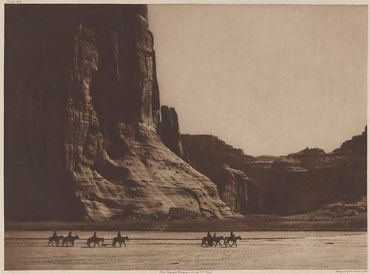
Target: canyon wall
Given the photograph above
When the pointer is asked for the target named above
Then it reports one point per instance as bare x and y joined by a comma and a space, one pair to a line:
296, 183
170, 131
82, 120
224, 165
87, 139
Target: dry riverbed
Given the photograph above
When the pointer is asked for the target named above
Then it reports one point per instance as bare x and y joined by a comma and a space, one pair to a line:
28, 250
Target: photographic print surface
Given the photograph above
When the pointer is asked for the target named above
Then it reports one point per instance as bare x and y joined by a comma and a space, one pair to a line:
185, 137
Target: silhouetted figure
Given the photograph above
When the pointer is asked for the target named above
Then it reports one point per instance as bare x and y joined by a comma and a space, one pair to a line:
119, 234
55, 238
232, 234
70, 239
209, 235
94, 239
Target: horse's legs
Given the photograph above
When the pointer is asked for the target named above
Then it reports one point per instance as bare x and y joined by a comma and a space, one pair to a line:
124, 243
94, 244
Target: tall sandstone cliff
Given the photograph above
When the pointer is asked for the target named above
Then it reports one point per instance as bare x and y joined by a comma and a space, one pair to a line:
82, 116
296, 183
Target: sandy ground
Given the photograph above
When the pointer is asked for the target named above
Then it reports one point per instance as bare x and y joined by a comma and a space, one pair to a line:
26, 250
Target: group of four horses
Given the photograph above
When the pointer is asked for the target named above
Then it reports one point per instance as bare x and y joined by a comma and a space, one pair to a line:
92, 240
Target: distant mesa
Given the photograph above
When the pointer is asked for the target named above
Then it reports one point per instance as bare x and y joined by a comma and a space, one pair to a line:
297, 183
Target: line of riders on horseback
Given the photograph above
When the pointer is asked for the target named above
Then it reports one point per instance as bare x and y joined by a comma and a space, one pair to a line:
214, 240
207, 241
92, 240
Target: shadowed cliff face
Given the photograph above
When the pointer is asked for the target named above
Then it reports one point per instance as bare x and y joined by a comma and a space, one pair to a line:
169, 130
297, 183
225, 166
82, 117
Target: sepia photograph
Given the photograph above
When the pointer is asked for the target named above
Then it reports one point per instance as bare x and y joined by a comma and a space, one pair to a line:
192, 137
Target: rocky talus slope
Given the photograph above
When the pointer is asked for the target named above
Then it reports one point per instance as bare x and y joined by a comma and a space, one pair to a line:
82, 120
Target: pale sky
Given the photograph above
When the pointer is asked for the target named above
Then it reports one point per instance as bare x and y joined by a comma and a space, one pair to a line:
269, 79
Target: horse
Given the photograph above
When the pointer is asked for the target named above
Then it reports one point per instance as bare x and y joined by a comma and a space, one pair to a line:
231, 239
95, 240
217, 240
70, 239
120, 240
206, 241
55, 239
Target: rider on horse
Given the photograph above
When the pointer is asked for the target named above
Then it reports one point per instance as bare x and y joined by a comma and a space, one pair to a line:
70, 234
94, 236
119, 234
55, 234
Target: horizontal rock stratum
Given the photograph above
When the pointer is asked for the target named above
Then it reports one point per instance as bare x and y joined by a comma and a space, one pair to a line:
82, 120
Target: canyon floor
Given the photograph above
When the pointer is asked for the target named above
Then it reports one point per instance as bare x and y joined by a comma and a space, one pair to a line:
28, 250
